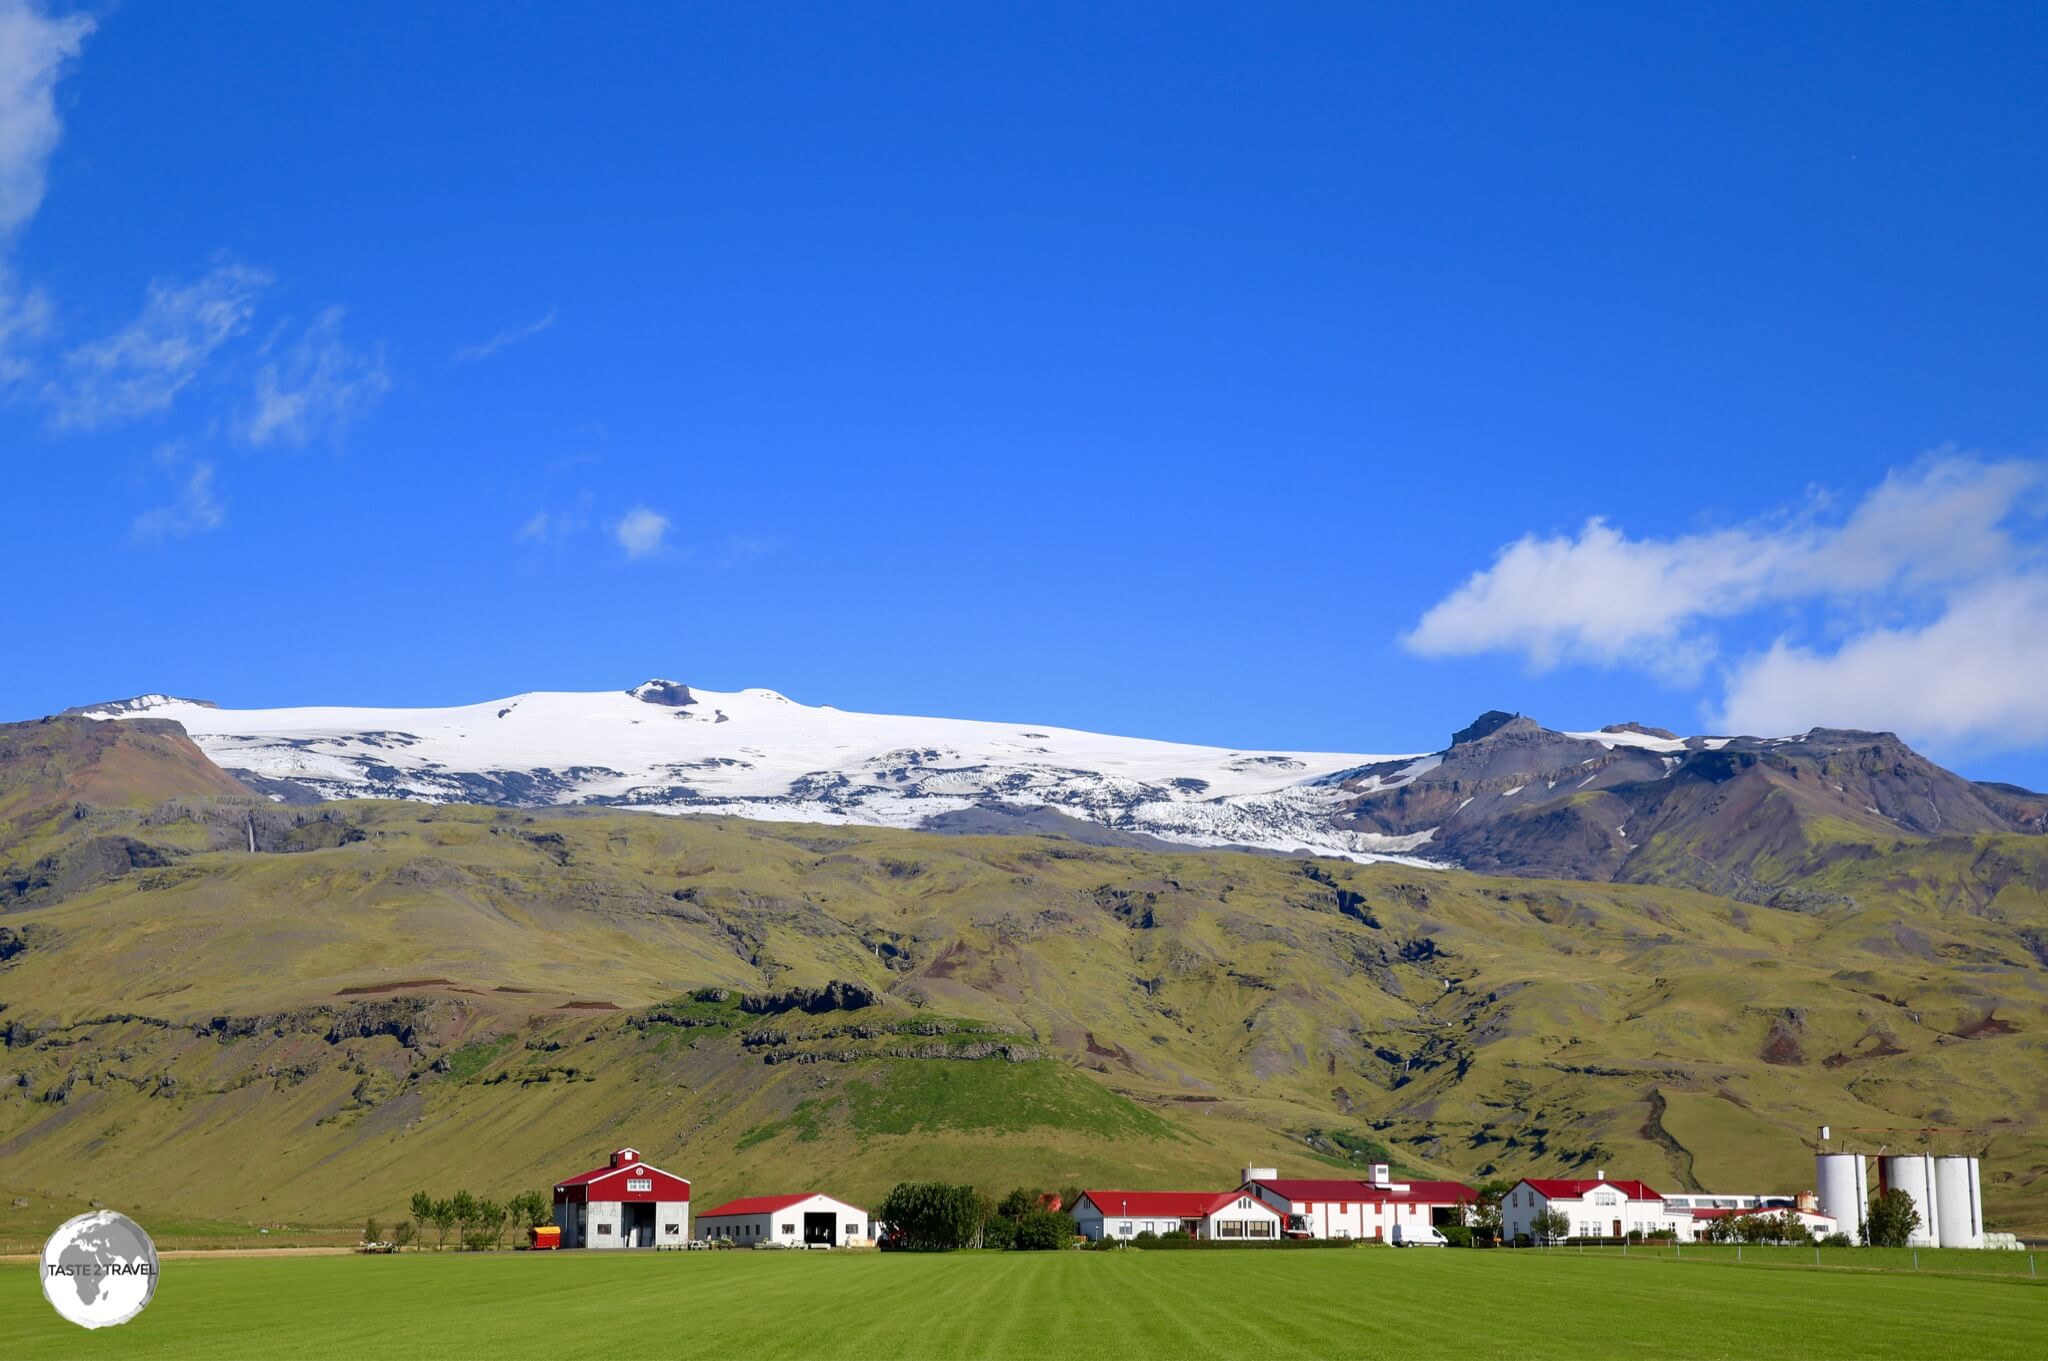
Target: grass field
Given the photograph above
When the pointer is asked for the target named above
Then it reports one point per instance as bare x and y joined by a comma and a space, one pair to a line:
1364, 1303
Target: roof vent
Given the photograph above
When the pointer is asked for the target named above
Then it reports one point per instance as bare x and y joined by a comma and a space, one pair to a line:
1600, 1174
620, 1157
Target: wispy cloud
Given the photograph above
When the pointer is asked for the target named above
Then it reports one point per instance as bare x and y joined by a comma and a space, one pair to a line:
743, 548
314, 386
642, 532
34, 48
487, 348
1952, 546
195, 510
141, 368
554, 526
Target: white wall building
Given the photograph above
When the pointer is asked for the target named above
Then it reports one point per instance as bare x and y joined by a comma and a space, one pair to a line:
798, 1221
1323, 1208
1224, 1215
1595, 1209
1818, 1224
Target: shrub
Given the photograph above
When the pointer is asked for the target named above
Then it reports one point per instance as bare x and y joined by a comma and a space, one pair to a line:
1044, 1231
999, 1233
1838, 1240
1457, 1235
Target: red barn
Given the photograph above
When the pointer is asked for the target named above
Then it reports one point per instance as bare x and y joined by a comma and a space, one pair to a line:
624, 1204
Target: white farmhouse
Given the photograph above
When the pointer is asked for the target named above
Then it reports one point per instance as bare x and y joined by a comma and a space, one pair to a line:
1598, 1208
1200, 1214
799, 1221
1347, 1208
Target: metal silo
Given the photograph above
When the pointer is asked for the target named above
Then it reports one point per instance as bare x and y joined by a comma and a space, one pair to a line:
1958, 1207
1844, 1188
1913, 1173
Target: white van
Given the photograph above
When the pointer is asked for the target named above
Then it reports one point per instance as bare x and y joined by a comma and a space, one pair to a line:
1420, 1236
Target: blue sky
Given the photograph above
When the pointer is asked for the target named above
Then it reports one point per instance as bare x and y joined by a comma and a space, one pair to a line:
1265, 375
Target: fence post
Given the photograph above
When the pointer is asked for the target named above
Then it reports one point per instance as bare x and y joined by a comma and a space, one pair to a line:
1738, 1252
1916, 1259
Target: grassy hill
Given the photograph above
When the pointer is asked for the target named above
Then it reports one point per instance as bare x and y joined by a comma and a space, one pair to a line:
385, 996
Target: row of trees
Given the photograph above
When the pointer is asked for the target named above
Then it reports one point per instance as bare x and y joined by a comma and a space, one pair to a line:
936, 1216
476, 1223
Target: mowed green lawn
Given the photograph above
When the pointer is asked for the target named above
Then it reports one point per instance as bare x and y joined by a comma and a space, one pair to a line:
762, 1306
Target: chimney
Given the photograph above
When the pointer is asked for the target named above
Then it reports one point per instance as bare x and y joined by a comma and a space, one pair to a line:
1381, 1174
1600, 1174
1252, 1174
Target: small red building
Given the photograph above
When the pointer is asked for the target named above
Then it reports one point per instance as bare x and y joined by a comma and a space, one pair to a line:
624, 1204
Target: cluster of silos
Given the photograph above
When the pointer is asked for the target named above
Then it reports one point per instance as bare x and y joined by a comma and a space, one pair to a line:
1945, 1190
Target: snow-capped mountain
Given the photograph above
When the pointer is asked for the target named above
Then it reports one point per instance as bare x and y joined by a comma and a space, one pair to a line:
1507, 795
666, 747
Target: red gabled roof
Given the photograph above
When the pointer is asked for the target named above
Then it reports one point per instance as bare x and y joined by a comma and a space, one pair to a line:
599, 1173
768, 1205
1162, 1204
1574, 1188
1303, 1190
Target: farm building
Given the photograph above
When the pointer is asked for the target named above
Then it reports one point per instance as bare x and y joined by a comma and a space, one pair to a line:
1598, 1208
624, 1204
1348, 1208
1818, 1224
1202, 1214
799, 1221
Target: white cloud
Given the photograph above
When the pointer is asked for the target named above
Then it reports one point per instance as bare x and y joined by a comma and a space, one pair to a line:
195, 511
1972, 677
641, 532
34, 47
1929, 599
499, 341
316, 386
142, 367
34, 50
24, 316
1605, 598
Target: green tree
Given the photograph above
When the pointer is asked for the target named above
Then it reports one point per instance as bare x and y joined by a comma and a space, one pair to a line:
1486, 1211
932, 1216
1017, 1204
443, 1215
422, 1212
402, 1234
373, 1232
1891, 1220
463, 1206
490, 1221
1550, 1226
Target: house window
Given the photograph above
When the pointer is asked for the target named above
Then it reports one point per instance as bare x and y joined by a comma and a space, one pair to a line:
1124, 1229
639, 1184
853, 1230
604, 1229
789, 1228
672, 1230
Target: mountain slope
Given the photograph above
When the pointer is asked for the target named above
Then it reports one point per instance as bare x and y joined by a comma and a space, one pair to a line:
380, 988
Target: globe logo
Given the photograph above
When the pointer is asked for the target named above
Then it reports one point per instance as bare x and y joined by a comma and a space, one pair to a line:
99, 1269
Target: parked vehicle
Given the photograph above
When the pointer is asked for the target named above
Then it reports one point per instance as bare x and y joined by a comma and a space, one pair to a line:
1421, 1236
